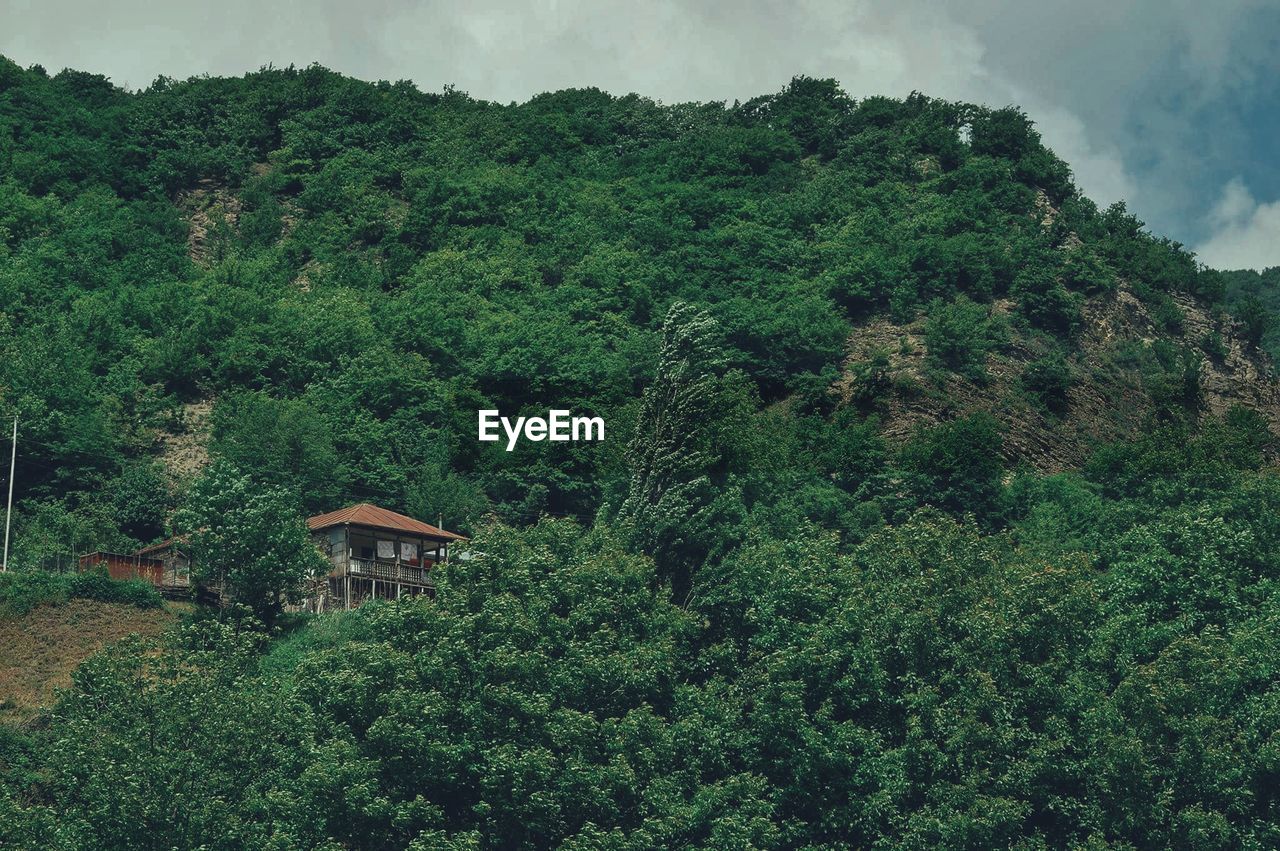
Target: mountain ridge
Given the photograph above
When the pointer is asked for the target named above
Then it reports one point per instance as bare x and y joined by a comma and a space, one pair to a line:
298, 245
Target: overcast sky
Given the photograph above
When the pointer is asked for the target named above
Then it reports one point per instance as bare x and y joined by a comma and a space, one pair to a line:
1171, 105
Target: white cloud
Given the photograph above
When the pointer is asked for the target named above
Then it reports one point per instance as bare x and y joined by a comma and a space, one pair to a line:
1244, 234
677, 51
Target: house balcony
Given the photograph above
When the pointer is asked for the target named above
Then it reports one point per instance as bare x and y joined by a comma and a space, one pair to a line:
389, 571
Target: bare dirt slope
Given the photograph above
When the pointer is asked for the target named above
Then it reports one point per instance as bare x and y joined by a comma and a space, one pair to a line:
184, 448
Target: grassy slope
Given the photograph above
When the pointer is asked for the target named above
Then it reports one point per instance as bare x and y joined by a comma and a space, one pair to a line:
42, 647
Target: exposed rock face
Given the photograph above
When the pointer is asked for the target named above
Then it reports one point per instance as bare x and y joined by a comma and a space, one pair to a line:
213, 213
1244, 376
1110, 400
184, 451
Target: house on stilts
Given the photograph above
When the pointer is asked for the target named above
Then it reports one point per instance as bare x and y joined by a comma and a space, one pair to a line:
375, 553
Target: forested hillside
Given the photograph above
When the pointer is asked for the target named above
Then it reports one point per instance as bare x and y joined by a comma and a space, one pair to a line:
937, 507
344, 272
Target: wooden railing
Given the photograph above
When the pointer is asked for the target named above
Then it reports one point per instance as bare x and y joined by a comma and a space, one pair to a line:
388, 571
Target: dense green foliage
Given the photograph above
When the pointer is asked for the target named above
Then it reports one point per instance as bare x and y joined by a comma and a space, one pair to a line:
959, 335
22, 592
1255, 299
350, 270
766, 623
1100, 675
247, 540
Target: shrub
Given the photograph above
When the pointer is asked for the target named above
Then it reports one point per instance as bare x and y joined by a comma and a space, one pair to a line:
1213, 345
1167, 314
1256, 319
1048, 379
1087, 272
959, 335
870, 378
1173, 379
22, 592
956, 466
1045, 303
97, 585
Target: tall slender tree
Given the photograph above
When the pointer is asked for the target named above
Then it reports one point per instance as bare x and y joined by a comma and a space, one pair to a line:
681, 493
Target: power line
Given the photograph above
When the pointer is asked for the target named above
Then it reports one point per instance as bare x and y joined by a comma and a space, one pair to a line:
8, 512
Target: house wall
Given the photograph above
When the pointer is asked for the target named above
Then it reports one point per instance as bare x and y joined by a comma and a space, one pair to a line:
340, 544
332, 543
123, 567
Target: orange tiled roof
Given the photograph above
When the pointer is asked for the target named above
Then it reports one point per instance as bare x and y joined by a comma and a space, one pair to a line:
365, 514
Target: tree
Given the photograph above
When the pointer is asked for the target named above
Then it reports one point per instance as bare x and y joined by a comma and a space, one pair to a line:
816, 112
956, 466
140, 497
248, 537
681, 454
1257, 320
959, 335
1045, 302
1004, 133
1048, 379
286, 442
157, 747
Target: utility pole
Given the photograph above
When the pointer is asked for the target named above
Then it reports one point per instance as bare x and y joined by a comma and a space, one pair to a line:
8, 512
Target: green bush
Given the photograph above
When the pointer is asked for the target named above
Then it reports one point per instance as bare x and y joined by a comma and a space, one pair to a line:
97, 585
869, 378
1166, 313
1255, 319
1172, 378
1048, 379
1045, 302
956, 466
22, 592
1087, 272
959, 335
1213, 345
